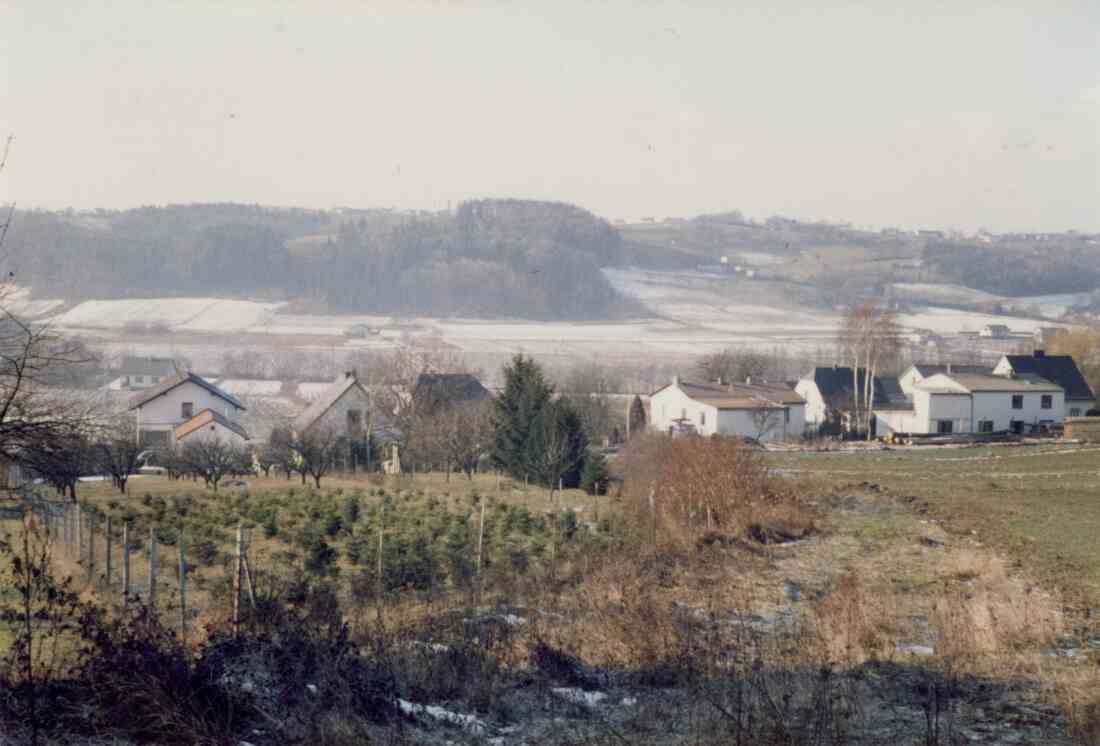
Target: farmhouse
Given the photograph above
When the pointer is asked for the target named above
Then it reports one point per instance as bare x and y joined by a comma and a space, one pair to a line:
917, 372
161, 409
756, 410
139, 373
995, 331
830, 395
951, 403
1060, 369
343, 407
210, 425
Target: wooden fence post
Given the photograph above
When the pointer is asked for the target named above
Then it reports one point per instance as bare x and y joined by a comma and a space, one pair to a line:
107, 568
91, 548
125, 563
80, 533
238, 571
153, 567
480, 547
183, 585
381, 581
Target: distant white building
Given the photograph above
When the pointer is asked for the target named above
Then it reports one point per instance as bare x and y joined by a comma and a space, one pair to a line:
1060, 369
209, 425
995, 331
767, 412
343, 407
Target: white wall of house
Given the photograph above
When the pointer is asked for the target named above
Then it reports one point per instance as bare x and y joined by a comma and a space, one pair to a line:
166, 411
909, 379
1070, 407
671, 404
354, 399
775, 425
816, 412
966, 412
212, 431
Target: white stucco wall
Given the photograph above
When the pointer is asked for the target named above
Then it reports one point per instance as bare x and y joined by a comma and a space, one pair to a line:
967, 411
336, 417
671, 403
815, 412
165, 411
210, 432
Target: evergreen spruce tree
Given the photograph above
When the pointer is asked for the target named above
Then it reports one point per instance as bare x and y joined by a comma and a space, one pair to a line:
637, 415
518, 409
557, 445
594, 476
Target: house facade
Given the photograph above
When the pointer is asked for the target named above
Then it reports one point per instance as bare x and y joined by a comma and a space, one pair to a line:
974, 403
766, 412
1059, 369
343, 407
917, 372
209, 425
829, 393
161, 409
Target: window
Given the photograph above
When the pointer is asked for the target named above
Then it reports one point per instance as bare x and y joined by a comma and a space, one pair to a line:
1047, 402
187, 410
945, 426
1075, 412
683, 413
702, 418
1017, 401
355, 421
985, 426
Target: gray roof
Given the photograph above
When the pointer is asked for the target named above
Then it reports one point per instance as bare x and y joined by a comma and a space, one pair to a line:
178, 380
205, 416
990, 383
927, 369
324, 402
433, 389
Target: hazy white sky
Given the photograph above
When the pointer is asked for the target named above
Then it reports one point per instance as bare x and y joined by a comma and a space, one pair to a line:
917, 114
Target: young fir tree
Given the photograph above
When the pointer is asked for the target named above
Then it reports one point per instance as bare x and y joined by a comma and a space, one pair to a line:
557, 445
518, 409
594, 476
637, 415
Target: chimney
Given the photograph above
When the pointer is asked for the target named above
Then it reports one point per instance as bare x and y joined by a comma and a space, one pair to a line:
949, 369
349, 373
1040, 353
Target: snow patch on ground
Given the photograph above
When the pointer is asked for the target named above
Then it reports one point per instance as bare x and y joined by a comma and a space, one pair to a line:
579, 696
469, 722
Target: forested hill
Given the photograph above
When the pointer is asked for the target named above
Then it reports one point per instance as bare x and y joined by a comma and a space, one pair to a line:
491, 258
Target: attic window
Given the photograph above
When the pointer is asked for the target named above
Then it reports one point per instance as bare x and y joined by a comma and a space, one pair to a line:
1047, 402
1017, 401
702, 418
187, 410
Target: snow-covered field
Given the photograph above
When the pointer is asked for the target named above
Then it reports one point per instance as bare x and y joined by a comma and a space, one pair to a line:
248, 387
693, 313
1050, 306
180, 314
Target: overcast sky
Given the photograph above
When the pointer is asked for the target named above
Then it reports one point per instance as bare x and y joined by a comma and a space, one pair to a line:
928, 115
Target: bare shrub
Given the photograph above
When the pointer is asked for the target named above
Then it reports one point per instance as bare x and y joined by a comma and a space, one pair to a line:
691, 486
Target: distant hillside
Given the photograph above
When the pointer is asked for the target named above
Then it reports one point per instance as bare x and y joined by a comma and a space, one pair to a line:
492, 258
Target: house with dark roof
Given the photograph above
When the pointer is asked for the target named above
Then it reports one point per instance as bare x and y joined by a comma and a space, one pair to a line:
434, 390
1061, 369
174, 401
344, 407
760, 410
975, 403
210, 425
830, 396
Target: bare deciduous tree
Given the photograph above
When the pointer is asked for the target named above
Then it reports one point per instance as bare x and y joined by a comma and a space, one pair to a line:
315, 452
868, 337
214, 459
118, 453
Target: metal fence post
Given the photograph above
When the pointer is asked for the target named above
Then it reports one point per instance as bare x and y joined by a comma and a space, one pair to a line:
91, 548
